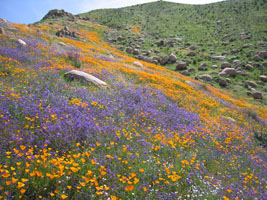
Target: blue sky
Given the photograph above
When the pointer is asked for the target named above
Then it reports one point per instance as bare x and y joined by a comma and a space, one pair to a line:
29, 11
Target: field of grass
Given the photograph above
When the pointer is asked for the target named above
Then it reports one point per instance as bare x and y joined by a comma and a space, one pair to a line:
152, 134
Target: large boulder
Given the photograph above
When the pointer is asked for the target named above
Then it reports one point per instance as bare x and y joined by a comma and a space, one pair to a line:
222, 82
257, 95
226, 65
129, 50
21, 42
136, 52
263, 78
181, 66
206, 77
230, 71
257, 58
263, 54
84, 77
252, 84
172, 58
164, 60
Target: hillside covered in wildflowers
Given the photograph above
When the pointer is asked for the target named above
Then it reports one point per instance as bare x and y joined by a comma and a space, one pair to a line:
152, 133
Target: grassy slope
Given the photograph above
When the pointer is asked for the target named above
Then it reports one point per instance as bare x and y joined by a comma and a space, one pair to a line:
154, 134
205, 26
165, 19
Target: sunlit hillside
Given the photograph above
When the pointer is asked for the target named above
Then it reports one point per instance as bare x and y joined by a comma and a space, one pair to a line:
151, 133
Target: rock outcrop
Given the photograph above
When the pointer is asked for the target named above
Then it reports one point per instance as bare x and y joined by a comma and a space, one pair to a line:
66, 32
58, 13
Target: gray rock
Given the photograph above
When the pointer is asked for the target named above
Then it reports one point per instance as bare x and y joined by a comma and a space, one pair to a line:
181, 66
263, 54
120, 38
156, 59
214, 66
191, 53
185, 73
206, 77
66, 32
222, 74
160, 43
191, 70
202, 69
164, 60
222, 82
242, 73
129, 50
172, 58
84, 77
225, 65
193, 47
170, 43
249, 53
257, 95
62, 44
21, 42
138, 64
252, 84
66, 28
234, 51
225, 53
2, 30
219, 57
203, 65
230, 71
263, 78
249, 67
136, 52
257, 58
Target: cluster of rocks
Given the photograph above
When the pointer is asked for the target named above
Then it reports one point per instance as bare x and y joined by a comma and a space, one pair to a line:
66, 32
52, 14
222, 74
